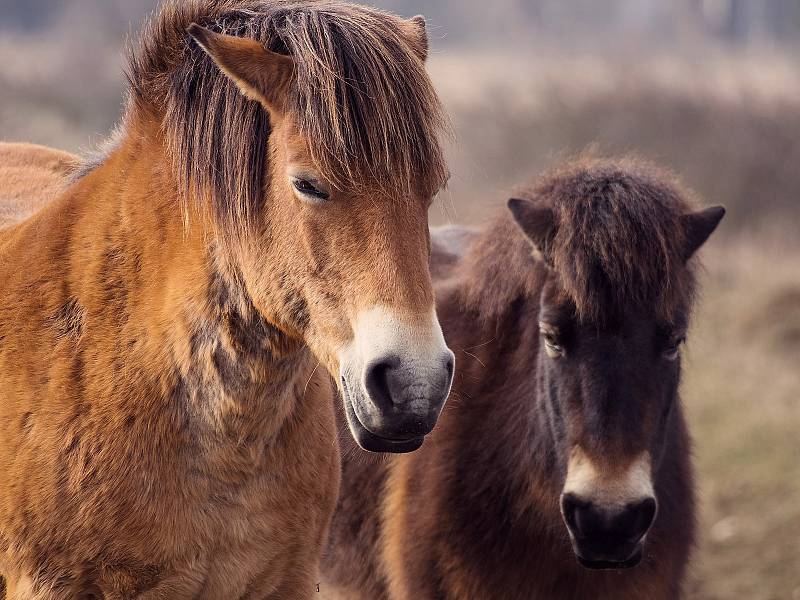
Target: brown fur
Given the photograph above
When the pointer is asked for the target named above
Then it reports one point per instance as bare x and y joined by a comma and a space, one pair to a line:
475, 512
30, 175
177, 480
166, 431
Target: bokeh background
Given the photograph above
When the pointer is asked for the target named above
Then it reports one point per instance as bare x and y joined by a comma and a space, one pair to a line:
708, 88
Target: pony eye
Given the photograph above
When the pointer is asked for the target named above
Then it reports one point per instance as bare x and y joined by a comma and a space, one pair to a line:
552, 349
305, 188
552, 346
673, 350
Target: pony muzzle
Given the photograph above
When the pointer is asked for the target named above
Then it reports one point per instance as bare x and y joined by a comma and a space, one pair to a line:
608, 514
395, 378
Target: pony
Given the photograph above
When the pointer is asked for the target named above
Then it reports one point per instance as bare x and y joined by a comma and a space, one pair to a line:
165, 431
560, 468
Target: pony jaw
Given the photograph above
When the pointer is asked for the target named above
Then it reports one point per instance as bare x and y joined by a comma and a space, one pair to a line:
395, 376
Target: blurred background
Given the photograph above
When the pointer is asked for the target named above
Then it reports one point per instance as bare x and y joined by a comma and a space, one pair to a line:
708, 88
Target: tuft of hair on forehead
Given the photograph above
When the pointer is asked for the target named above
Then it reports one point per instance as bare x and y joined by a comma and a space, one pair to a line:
362, 99
618, 241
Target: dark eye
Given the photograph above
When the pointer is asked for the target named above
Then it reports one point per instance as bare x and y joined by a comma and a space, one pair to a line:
552, 344
672, 351
306, 188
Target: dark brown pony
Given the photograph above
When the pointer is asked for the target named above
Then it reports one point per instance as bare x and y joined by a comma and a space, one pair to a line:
165, 431
563, 456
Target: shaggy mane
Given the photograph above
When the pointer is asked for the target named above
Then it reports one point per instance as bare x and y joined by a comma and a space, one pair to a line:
618, 243
362, 98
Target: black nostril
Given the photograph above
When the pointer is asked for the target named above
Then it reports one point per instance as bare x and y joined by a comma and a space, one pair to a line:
637, 519
377, 381
580, 515
587, 521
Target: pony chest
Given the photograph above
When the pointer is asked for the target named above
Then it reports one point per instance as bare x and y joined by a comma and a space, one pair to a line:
231, 482
245, 485
233, 512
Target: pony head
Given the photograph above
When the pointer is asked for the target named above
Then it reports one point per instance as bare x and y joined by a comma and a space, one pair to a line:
310, 131
617, 240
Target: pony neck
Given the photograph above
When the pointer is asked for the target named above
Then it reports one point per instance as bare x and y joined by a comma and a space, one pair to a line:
501, 288
182, 296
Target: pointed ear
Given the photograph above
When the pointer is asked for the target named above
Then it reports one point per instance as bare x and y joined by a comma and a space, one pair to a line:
259, 73
418, 36
698, 226
537, 222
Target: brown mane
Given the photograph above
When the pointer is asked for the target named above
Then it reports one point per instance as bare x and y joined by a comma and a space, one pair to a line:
362, 98
610, 216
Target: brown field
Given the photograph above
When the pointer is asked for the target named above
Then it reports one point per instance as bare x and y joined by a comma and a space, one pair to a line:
729, 125
742, 392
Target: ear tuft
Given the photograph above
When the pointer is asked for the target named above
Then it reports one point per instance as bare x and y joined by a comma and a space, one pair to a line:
698, 226
537, 222
419, 36
200, 34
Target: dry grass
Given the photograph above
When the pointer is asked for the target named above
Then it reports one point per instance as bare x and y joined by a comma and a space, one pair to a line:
58, 89
742, 390
728, 126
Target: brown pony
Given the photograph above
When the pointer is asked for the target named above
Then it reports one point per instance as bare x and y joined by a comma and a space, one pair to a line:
164, 429
563, 455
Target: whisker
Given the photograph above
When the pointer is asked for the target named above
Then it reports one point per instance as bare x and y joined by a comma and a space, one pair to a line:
481, 345
310, 377
475, 357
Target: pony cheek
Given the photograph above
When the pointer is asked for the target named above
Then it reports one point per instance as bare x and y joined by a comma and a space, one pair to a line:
563, 416
325, 339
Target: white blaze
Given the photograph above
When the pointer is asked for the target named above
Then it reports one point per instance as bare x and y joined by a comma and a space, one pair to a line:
609, 490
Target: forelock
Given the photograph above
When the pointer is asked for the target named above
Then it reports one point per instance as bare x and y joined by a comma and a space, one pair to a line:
619, 242
362, 99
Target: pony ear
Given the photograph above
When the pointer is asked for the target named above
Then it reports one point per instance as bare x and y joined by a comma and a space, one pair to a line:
259, 73
698, 226
418, 36
537, 222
